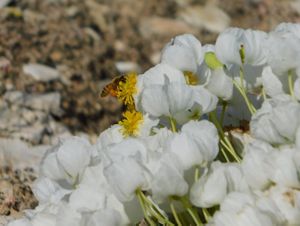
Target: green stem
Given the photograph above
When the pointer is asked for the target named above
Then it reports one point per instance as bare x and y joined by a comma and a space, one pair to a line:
224, 154
175, 214
206, 214
231, 151
244, 95
291, 86
140, 198
193, 213
155, 211
224, 140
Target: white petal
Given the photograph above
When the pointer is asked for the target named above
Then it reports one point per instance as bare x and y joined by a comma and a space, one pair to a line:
104, 218
86, 199
179, 97
228, 46
46, 190
156, 75
210, 189
220, 84
51, 168
180, 57
168, 180
20, 222
44, 219
126, 177
155, 101
204, 99
186, 150
256, 164
271, 83
205, 134
74, 156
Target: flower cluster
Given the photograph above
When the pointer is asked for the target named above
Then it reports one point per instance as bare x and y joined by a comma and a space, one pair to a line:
210, 135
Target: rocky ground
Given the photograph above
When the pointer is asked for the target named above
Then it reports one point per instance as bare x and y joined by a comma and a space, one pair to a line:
56, 56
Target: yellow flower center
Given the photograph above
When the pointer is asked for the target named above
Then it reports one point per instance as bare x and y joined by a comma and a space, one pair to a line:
131, 123
126, 89
190, 78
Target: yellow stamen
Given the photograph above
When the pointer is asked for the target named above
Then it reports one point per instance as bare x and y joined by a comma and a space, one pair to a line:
131, 123
190, 78
127, 89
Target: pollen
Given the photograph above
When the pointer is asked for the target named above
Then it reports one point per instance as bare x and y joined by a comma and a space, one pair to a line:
126, 90
131, 123
190, 78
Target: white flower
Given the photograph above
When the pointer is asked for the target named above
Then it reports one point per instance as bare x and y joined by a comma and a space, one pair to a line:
288, 202
112, 135
283, 50
271, 82
125, 177
67, 161
216, 183
205, 134
125, 168
46, 190
105, 217
168, 100
184, 52
277, 120
168, 178
20, 222
87, 199
68, 216
257, 165
239, 209
186, 150
238, 46
285, 168
213, 76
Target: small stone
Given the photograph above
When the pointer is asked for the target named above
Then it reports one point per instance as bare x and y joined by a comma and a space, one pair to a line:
164, 27
155, 58
209, 17
49, 102
93, 34
120, 46
72, 11
41, 72
56, 56
14, 97
127, 66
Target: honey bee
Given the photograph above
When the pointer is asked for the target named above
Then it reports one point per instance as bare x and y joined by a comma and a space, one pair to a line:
112, 87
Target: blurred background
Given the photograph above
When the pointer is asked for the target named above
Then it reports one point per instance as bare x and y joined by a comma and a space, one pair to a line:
57, 55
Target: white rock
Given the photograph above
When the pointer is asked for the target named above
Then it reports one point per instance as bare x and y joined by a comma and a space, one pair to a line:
164, 27
49, 102
209, 17
41, 72
19, 155
14, 97
127, 66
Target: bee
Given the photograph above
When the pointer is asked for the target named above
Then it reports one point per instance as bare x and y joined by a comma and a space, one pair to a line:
112, 87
